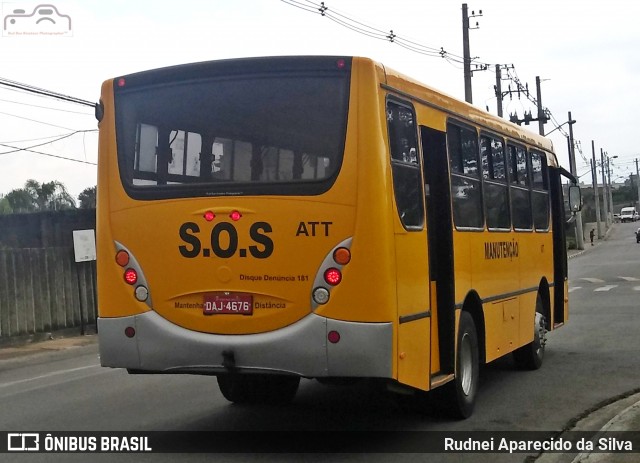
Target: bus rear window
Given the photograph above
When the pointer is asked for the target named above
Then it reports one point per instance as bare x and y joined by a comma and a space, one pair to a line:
231, 136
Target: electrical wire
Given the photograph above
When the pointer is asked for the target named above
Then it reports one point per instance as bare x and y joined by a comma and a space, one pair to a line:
40, 91
28, 148
47, 107
34, 120
49, 154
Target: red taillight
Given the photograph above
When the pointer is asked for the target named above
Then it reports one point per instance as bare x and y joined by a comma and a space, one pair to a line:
209, 216
235, 216
341, 63
333, 337
130, 276
333, 276
129, 331
121, 82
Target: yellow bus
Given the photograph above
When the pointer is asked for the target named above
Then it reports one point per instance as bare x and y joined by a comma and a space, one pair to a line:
269, 219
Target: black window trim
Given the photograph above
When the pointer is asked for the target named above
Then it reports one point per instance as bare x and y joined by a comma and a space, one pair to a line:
503, 183
406, 165
545, 190
463, 125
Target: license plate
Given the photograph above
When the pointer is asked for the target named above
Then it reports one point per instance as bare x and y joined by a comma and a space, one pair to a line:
228, 303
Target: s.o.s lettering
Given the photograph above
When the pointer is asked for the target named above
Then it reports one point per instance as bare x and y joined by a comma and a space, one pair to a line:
224, 241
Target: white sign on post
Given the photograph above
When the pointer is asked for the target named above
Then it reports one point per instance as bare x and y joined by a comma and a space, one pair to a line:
84, 245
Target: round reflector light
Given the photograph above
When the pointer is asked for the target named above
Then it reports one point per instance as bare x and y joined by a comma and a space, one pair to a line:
321, 295
122, 82
122, 258
342, 256
235, 215
341, 63
209, 216
333, 276
333, 337
129, 331
130, 276
142, 293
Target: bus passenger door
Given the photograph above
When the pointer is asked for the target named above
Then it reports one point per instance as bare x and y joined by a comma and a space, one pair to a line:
440, 239
411, 253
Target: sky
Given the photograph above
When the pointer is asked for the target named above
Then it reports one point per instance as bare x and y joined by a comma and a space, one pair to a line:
585, 52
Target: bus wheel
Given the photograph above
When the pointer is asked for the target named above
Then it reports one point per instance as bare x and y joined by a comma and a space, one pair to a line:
530, 356
459, 395
258, 389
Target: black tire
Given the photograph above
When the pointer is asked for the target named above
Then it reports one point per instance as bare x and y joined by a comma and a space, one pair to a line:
459, 396
258, 389
531, 356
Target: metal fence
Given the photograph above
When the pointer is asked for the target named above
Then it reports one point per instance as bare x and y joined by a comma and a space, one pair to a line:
44, 290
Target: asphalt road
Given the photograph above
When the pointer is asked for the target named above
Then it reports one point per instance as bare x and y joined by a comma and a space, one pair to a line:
589, 361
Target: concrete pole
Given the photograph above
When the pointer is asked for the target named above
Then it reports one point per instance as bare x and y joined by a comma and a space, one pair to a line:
499, 90
605, 193
638, 182
610, 189
572, 160
468, 96
540, 110
596, 194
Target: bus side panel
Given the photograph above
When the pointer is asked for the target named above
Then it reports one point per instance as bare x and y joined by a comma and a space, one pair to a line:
112, 300
367, 292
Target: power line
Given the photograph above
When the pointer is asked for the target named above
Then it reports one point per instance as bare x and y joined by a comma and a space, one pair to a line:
29, 148
46, 107
34, 120
41, 91
48, 154
360, 27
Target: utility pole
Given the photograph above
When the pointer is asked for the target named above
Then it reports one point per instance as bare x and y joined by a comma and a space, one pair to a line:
499, 89
610, 189
596, 194
605, 191
468, 94
638, 181
541, 118
572, 163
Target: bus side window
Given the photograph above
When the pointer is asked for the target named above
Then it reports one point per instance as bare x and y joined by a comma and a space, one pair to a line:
519, 185
466, 192
496, 190
407, 179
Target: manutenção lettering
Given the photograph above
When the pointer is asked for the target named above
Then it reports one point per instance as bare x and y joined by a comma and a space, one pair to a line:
501, 250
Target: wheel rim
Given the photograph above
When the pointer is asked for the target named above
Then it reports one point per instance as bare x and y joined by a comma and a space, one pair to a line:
466, 364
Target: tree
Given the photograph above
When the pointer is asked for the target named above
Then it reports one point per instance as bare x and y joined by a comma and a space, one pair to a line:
88, 198
5, 207
36, 197
20, 201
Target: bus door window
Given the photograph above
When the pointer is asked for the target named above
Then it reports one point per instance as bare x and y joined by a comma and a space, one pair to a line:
540, 191
496, 190
520, 183
407, 178
466, 193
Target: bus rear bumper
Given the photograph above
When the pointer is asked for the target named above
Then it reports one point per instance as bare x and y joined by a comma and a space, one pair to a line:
159, 346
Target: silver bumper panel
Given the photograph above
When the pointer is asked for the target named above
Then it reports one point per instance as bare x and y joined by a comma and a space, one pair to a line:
364, 349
